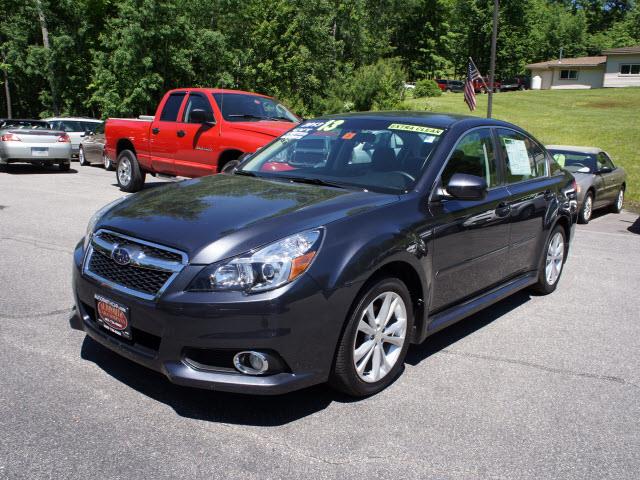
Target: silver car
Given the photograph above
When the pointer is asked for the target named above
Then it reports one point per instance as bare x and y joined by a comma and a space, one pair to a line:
76, 128
600, 182
32, 141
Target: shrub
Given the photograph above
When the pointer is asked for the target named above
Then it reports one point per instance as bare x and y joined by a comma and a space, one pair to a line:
427, 88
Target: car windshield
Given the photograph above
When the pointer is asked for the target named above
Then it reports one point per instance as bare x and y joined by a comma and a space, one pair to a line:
575, 162
241, 107
24, 124
74, 126
371, 154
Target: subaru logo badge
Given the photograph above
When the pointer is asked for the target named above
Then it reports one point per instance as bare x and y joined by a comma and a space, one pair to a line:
121, 255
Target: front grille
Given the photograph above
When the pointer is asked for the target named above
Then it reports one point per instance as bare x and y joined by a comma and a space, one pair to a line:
150, 269
147, 249
141, 279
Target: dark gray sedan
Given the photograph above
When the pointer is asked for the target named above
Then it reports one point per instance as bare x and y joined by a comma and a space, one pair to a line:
600, 182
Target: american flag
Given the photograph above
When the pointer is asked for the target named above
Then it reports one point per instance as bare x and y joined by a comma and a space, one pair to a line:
469, 91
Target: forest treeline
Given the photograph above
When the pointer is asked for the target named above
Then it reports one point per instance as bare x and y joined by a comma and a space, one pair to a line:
117, 57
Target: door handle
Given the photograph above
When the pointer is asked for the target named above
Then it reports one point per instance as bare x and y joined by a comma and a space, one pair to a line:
181, 133
155, 131
503, 209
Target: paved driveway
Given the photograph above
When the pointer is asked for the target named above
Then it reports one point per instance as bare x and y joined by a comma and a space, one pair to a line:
535, 387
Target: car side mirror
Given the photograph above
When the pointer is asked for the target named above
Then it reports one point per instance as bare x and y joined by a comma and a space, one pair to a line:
467, 187
605, 170
198, 115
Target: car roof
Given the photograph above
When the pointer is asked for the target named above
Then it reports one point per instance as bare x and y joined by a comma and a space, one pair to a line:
573, 148
438, 120
74, 119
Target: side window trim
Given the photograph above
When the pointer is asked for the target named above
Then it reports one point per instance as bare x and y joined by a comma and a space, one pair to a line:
434, 189
547, 173
183, 110
180, 107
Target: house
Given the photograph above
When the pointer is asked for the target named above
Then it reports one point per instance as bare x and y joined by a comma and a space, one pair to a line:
618, 67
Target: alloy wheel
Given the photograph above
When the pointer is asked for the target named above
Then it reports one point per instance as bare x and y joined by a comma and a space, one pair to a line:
380, 336
124, 171
81, 156
588, 208
620, 200
555, 258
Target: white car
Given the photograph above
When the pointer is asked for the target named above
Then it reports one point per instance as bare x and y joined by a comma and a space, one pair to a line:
32, 141
75, 127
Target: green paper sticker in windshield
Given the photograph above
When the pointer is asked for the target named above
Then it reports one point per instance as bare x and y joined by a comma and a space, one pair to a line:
560, 158
415, 128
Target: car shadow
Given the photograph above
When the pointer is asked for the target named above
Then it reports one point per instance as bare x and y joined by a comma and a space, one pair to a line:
147, 185
452, 334
635, 227
27, 169
268, 411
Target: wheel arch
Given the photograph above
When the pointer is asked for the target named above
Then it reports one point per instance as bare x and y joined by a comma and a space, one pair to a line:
124, 144
227, 156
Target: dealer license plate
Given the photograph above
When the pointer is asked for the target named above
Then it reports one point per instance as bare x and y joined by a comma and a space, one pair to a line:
39, 151
113, 316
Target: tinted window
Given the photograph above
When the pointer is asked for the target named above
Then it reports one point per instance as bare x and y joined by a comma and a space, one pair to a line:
574, 161
91, 126
474, 155
524, 158
241, 108
376, 154
604, 162
197, 101
22, 124
171, 108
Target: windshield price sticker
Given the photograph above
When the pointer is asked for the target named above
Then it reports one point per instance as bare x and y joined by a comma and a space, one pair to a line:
308, 128
415, 128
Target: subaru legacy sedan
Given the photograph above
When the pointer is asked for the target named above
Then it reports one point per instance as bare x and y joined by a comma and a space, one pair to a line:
307, 265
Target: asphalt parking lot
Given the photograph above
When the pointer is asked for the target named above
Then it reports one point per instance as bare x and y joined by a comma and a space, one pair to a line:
535, 387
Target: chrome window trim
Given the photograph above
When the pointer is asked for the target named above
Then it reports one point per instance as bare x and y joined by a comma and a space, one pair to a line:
147, 263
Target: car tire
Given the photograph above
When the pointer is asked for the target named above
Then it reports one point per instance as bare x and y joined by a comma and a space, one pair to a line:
617, 205
128, 173
587, 209
373, 346
483, 90
64, 166
107, 163
81, 158
229, 166
552, 262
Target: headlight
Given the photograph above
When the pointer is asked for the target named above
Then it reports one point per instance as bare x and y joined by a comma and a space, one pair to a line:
264, 269
95, 217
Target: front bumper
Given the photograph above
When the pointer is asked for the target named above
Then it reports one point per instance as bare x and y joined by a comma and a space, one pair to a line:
296, 324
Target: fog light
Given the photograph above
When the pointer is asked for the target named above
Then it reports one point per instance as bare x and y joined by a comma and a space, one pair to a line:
251, 363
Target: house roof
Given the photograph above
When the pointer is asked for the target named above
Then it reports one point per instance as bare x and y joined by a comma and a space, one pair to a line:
623, 50
569, 62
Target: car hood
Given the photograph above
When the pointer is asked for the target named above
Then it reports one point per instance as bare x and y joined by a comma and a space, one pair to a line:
216, 217
271, 128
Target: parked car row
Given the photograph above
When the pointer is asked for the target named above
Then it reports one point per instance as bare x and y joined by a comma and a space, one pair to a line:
483, 85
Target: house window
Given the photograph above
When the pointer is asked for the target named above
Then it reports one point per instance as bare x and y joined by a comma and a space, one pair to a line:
568, 74
630, 69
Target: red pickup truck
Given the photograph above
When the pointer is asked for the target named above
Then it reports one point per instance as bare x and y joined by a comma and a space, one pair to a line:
195, 132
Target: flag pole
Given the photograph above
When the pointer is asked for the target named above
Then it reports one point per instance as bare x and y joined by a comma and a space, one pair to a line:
492, 68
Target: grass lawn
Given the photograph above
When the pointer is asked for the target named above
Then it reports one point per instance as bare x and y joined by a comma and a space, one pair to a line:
608, 118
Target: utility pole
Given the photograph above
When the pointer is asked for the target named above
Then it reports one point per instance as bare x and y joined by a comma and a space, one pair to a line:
492, 67
7, 92
47, 47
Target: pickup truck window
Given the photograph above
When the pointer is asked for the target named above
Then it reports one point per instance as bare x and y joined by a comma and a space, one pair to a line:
197, 101
241, 107
171, 108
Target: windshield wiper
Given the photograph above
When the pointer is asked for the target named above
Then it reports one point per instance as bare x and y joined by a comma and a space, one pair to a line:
280, 119
314, 181
247, 115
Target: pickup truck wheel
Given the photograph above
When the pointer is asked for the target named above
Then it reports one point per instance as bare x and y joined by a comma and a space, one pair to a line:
229, 166
130, 177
